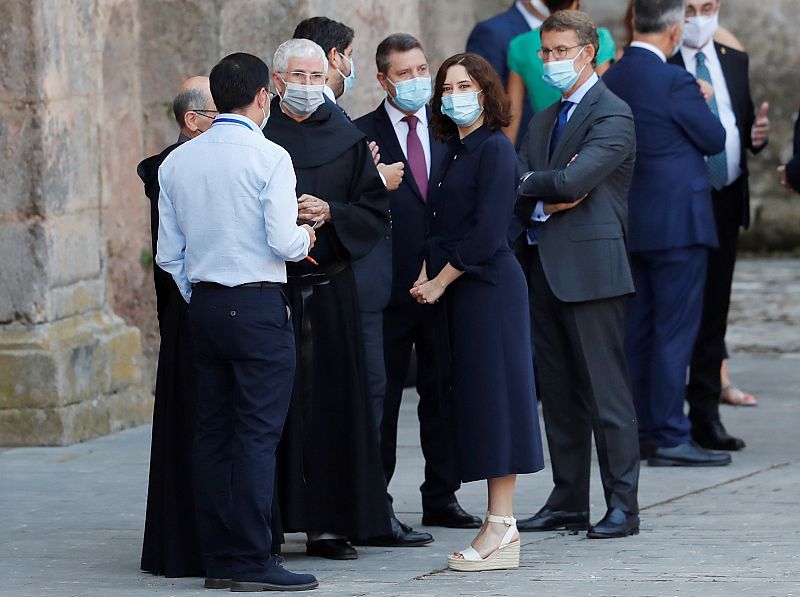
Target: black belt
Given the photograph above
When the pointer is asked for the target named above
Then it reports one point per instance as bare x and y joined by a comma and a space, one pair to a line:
248, 285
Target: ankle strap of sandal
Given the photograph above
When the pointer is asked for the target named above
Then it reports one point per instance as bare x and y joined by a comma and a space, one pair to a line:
509, 521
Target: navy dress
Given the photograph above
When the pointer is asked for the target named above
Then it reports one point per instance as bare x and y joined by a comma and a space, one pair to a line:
494, 400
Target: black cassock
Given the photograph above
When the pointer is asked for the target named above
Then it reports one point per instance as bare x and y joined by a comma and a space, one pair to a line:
329, 474
171, 545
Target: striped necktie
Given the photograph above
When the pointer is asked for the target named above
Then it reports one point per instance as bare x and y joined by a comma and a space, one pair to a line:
718, 163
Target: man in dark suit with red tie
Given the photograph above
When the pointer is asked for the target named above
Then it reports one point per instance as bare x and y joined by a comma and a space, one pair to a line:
726, 70
399, 125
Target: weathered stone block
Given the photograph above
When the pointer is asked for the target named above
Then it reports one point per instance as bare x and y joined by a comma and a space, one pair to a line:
23, 272
75, 247
80, 297
69, 380
20, 138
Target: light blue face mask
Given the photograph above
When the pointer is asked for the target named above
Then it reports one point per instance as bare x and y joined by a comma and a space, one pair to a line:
462, 108
411, 94
561, 74
349, 80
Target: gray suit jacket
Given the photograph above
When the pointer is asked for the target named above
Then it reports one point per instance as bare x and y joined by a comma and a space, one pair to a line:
583, 250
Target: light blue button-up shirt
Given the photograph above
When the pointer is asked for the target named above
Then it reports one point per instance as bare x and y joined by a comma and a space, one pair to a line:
228, 208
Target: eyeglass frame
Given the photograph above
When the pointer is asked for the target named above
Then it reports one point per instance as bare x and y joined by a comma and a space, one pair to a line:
307, 77
542, 52
202, 112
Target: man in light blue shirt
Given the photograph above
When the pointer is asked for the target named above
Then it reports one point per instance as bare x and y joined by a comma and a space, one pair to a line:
227, 224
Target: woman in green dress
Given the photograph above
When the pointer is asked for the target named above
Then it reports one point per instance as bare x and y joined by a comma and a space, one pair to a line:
525, 69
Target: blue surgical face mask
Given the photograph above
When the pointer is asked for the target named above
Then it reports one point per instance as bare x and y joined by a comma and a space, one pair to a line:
462, 108
561, 74
411, 94
349, 80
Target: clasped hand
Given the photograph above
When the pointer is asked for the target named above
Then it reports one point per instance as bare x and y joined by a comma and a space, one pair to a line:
312, 209
426, 291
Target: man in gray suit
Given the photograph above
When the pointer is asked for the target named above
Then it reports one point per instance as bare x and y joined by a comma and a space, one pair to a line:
578, 160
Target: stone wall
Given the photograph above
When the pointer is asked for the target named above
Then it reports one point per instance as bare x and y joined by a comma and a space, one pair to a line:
85, 91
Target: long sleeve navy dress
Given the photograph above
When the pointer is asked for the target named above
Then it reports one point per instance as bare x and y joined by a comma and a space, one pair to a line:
494, 400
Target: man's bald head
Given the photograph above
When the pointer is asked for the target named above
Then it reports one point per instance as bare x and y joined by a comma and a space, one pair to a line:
194, 107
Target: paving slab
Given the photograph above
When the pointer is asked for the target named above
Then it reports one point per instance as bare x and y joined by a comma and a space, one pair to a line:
72, 518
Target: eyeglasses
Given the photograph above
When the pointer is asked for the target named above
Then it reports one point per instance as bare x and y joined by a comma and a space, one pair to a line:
203, 113
302, 77
559, 53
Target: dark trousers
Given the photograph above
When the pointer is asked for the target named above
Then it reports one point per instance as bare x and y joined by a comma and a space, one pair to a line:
406, 326
245, 358
661, 327
372, 333
584, 385
704, 386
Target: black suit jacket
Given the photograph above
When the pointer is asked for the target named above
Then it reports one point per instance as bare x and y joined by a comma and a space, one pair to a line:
408, 210
793, 167
735, 67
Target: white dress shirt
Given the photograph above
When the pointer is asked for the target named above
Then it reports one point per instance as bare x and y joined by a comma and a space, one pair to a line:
733, 142
401, 130
329, 94
576, 97
646, 46
228, 208
533, 21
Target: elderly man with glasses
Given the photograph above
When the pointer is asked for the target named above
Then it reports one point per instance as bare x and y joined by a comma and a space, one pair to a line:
330, 475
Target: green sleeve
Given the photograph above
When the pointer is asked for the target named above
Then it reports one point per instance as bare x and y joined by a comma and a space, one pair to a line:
514, 55
608, 48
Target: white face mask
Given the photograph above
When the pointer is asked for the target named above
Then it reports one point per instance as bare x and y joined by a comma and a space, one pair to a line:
698, 31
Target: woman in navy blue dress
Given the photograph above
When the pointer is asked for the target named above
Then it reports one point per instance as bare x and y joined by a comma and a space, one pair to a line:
470, 266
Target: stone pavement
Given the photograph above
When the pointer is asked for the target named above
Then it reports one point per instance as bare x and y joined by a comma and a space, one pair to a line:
71, 518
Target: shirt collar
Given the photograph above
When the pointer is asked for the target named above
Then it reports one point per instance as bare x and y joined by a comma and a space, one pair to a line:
239, 118
646, 46
581, 91
689, 53
396, 115
474, 139
329, 93
533, 21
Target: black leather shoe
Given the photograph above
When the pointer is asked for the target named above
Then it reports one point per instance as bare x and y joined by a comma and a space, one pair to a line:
452, 516
402, 536
688, 454
713, 436
616, 523
333, 549
217, 583
276, 579
548, 519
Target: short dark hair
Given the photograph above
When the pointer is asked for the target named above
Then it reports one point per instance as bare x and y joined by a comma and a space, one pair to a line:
656, 16
185, 101
577, 21
396, 42
326, 33
556, 5
496, 105
236, 79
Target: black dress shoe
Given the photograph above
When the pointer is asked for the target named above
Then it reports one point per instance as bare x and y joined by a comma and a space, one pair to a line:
402, 536
217, 583
452, 516
713, 436
688, 454
616, 523
548, 519
277, 578
333, 549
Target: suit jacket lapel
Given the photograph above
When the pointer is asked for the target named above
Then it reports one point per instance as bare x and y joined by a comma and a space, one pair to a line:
581, 113
391, 151
732, 81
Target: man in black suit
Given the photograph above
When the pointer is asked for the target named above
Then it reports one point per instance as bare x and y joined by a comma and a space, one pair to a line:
399, 125
726, 70
579, 158
790, 172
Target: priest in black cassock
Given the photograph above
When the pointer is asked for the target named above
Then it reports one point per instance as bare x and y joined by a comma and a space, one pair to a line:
330, 477
170, 541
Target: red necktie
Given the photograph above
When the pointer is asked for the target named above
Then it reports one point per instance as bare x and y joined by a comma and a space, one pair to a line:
416, 156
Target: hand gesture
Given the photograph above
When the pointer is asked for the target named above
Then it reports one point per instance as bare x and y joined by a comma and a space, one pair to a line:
760, 131
393, 173
706, 89
311, 234
313, 209
428, 292
375, 151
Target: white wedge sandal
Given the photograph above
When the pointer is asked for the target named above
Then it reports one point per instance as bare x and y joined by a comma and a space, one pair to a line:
505, 557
